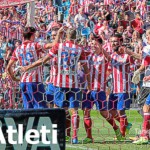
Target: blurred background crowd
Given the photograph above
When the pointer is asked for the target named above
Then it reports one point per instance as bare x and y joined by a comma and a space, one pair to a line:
128, 19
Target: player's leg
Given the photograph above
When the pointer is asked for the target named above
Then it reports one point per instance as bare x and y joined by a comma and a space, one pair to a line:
10, 92
60, 101
73, 95
124, 102
101, 105
144, 137
50, 95
87, 104
26, 96
37, 92
112, 106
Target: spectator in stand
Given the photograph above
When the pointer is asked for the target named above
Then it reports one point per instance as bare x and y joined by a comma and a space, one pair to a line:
74, 8
131, 13
135, 37
53, 24
137, 23
98, 25
147, 22
125, 22
127, 34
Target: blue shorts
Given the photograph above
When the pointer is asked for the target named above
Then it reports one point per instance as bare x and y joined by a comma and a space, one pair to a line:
147, 102
94, 97
67, 97
50, 90
123, 101
113, 100
33, 95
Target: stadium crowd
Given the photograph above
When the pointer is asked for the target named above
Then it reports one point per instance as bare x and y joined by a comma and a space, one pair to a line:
113, 35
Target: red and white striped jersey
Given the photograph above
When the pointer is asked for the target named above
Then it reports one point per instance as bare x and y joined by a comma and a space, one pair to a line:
53, 70
86, 4
74, 8
51, 12
6, 32
107, 48
98, 68
68, 55
121, 66
26, 54
108, 2
19, 34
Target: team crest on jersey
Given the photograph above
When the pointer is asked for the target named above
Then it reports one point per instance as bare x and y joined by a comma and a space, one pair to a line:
119, 61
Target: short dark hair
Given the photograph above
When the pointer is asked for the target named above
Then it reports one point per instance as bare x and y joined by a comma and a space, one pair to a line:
71, 33
28, 32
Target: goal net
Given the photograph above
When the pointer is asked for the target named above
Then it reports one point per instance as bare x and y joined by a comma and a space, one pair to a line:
105, 48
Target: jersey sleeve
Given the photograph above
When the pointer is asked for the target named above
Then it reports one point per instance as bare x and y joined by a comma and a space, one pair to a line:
146, 61
54, 51
39, 46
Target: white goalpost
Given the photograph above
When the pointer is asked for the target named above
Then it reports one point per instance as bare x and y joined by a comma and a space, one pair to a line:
30, 14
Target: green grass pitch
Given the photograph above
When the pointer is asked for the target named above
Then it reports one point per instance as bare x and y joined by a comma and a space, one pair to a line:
103, 134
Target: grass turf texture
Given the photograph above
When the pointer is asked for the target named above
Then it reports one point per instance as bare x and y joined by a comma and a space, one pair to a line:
103, 134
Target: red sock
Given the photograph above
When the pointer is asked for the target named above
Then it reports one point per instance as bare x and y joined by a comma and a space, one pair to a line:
109, 119
88, 126
68, 124
75, 124
112, 122
146, 125
123, 124
116, 117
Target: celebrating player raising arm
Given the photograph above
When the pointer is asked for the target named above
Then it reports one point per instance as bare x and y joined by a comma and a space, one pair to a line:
98, 66
121, 64
23, 53
26, 54
66, 95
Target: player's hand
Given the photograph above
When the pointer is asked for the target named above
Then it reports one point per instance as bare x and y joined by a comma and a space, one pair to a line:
146, 78
89, 89
63, 28
15, 79
24, 69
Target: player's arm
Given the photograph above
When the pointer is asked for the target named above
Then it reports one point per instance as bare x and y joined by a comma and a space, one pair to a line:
35, 64
50, 45
52, 53
107, 56
135, 55
147, 78
87, 75
84, 63
10, 70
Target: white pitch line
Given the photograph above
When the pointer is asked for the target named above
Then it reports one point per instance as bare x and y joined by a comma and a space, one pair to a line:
79, 147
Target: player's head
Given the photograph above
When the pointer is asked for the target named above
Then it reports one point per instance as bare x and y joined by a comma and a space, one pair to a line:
114, 41
29, 33
96, 45
138, 15
71, 34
